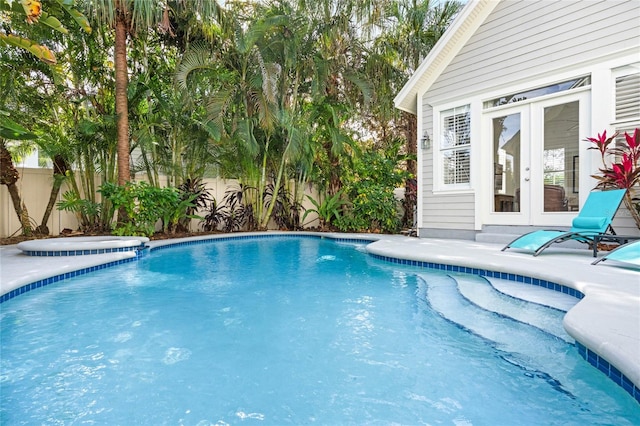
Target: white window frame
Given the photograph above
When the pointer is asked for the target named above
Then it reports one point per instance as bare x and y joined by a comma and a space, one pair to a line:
438, 150
628, 123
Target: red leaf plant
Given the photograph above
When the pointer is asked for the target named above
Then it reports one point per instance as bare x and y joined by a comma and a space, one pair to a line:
623, 170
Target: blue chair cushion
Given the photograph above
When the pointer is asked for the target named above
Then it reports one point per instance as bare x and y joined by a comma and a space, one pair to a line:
589, 222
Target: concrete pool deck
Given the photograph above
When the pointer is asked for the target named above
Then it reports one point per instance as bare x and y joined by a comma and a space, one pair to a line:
606, 320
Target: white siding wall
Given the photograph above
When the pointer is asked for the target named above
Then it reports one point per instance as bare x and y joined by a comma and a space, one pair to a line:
450, 211
521, 40
526, 38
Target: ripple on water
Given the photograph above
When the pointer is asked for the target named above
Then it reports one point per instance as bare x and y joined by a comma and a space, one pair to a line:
175, 355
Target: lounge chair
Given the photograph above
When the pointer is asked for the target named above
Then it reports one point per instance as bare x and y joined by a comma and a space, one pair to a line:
626, 253
594, 220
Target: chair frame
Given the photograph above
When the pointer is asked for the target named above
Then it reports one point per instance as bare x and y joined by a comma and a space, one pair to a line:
581, 237
621, 246
586, 236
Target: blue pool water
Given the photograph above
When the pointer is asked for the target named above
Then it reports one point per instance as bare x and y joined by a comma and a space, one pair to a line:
280, 331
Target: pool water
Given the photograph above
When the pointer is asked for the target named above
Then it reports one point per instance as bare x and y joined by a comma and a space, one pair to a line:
278, 331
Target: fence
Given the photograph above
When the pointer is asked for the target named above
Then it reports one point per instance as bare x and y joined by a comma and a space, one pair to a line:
35, 185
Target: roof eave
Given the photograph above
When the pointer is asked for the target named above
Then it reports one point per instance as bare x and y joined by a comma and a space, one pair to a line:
460, 31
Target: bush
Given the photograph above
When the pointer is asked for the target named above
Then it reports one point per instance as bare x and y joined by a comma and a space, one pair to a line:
369, 186
233, 214
145, 205
328, 210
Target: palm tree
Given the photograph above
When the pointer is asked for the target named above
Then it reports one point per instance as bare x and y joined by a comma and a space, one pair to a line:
415, 28
341, 87
239, 88
130, 18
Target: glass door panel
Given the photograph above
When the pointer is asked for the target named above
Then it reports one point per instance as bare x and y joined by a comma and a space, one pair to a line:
560, 154
507, 152
535, 154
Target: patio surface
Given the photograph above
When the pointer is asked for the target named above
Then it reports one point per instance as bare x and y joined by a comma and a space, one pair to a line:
607, 320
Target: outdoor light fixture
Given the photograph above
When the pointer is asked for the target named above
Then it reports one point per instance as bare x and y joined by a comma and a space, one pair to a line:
426, 141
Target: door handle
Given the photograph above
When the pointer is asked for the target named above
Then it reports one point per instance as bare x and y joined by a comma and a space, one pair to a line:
526, 179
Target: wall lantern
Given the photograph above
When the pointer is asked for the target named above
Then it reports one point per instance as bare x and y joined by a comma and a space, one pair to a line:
425, 142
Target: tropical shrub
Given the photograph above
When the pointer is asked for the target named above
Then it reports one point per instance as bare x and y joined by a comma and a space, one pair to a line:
214, 217
195, 191
233, 214
328, 210
286, 209
621, 168
87, 212
369, 186
174, 211
145, 205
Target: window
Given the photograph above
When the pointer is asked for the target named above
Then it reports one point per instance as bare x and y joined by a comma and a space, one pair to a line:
627, 100
540, 91
455, 146
628, 97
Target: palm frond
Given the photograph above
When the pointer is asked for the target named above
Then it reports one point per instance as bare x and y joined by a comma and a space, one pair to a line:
198, 57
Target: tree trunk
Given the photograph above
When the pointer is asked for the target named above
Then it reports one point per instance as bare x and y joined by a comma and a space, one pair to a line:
410, 194
20, 208
335, 181
60, 168
264, 223
122, 107
9, 176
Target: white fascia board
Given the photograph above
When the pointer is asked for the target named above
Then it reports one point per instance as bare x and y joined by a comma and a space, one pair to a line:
463, 27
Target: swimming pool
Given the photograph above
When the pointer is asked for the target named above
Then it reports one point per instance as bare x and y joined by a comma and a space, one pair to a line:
279, 330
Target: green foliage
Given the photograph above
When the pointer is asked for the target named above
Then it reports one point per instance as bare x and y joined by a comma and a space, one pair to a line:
286, 209
87, 212
16, 34
328, 210
271, 94
145, 205
9, 129
370, 185
173, 212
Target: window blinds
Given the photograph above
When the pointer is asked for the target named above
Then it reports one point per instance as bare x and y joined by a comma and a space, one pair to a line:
455, 142
628, 97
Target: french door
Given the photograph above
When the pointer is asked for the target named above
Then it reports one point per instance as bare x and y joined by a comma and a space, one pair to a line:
536, 152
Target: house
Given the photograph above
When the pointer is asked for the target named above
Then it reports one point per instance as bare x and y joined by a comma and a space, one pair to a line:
504, 103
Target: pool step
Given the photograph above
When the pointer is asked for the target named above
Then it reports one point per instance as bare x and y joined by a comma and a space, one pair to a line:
533, 349
534, 294
480, 292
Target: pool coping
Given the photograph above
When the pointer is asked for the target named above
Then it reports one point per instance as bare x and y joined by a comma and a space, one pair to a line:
605, 323
80, 246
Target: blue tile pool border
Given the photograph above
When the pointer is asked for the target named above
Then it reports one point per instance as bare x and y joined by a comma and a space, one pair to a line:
60, 277
55, 253
609, 370
483, 273
590, 356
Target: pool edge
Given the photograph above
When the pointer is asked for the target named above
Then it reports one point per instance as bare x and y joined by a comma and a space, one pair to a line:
591, 356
